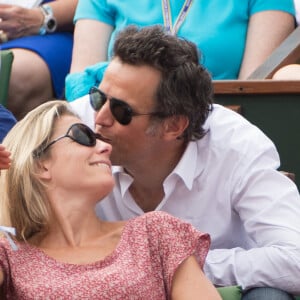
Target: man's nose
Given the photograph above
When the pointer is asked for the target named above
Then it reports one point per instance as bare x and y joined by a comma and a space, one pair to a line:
103, 116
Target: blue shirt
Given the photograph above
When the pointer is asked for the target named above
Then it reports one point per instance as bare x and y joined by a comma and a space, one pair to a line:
7, 121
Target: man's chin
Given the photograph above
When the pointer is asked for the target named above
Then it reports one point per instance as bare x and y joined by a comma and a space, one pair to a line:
116, 159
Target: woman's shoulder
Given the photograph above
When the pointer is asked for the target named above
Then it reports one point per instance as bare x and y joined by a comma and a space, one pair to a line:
159, 217
152, 224
174, 239
162, 223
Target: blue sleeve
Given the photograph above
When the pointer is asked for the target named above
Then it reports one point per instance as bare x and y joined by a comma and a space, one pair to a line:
262, 5
96, 10
7, 121
79, 84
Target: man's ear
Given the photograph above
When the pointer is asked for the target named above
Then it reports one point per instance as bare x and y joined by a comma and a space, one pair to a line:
175, 126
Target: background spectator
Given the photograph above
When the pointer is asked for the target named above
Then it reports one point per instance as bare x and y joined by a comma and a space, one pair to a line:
41, 59
234, 36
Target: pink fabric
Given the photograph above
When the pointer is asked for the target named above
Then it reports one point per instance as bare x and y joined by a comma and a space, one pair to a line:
142, 266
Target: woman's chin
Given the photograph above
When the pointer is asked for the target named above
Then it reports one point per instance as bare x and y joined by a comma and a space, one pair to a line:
106, 189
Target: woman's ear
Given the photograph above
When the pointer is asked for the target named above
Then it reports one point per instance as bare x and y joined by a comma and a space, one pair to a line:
175, 126
44, 170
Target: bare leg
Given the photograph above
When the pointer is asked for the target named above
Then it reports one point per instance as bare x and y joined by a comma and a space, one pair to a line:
288, 72
30, 82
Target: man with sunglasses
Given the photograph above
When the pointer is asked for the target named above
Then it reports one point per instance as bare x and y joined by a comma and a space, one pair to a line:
176, 151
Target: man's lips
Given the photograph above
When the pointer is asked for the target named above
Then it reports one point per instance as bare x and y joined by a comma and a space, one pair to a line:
103, 138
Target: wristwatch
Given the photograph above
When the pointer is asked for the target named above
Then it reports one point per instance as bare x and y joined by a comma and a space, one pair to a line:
50, 23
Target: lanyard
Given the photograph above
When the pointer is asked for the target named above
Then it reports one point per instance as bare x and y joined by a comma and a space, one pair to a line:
168, 19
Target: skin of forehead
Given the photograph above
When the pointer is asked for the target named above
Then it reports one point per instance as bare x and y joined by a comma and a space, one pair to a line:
131, 83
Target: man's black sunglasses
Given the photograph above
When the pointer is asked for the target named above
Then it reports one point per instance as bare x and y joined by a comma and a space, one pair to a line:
79, 133
120, 110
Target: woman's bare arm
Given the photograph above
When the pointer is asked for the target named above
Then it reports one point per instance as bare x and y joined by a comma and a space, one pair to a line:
266, 31
189, 282
91, 39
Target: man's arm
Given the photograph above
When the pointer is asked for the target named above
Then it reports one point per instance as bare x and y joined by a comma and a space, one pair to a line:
268, 204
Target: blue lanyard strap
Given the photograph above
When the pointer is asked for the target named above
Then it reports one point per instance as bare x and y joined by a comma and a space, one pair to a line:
180, 19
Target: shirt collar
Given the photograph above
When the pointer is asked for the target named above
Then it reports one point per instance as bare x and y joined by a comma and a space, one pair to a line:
124, 179
186, 168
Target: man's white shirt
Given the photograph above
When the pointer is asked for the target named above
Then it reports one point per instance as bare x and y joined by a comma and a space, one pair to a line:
227, 185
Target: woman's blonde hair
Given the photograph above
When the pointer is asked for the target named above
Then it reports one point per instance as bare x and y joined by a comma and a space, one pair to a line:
23, 203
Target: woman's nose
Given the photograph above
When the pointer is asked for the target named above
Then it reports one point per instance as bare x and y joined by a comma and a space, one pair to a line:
103, 147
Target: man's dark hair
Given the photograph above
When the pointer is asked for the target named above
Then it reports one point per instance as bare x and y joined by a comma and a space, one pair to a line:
186, 87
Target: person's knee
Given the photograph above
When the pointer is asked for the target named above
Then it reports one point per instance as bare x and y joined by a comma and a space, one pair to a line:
29, 73
263, 293
289, 72
30, 82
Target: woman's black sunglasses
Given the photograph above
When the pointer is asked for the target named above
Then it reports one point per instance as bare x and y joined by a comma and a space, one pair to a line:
121, 111
79, 133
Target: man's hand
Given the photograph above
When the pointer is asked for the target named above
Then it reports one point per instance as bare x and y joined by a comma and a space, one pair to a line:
17, 21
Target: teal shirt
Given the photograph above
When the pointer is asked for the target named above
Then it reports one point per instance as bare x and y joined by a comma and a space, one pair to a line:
217, 27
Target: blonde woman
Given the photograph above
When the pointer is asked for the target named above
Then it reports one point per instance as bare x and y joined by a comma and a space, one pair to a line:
61, 250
